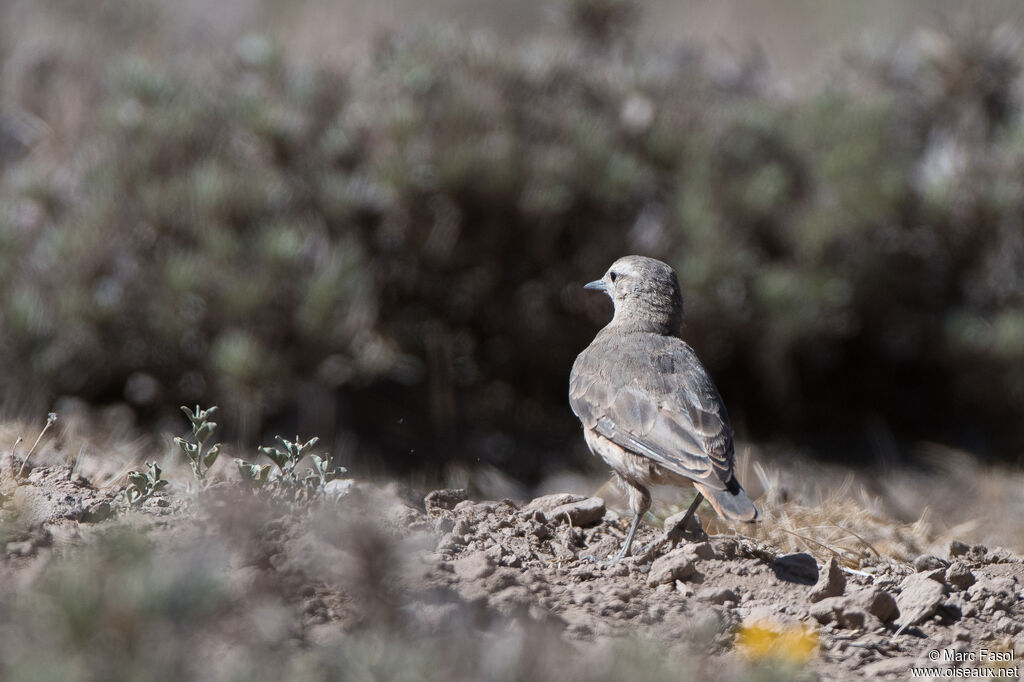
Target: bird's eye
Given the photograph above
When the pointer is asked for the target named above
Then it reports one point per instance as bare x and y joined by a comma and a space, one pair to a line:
613, 275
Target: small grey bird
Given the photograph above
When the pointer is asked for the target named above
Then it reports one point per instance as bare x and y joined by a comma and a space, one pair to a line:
648, 406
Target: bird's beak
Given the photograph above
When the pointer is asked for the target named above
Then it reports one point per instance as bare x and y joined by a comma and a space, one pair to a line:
596, 285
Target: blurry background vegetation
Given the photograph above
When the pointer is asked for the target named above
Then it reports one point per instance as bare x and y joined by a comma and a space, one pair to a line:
373, 226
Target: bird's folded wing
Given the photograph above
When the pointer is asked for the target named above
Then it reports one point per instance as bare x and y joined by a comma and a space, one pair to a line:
677, 420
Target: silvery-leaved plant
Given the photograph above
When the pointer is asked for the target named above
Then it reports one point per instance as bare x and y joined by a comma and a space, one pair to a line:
286, 478
143, 485
200, 457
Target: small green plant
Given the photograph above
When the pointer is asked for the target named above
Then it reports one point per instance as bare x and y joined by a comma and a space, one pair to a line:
199, 456
256, 475
143, 485
286, 459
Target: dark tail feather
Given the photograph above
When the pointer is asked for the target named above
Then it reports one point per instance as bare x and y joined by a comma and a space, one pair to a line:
731, 504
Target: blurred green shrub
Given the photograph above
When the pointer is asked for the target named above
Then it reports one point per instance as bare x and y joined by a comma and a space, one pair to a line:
409, 237
119, 611
191, 258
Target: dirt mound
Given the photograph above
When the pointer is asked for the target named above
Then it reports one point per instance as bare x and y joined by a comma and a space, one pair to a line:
704, 591
463, 589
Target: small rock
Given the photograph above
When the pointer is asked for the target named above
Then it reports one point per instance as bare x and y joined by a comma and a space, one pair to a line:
541, 531
880, 604
959, 576
957, 548
582, 513
961, 635
831, 583
572, 536
998, 594
445, 499
920, 598
825, 611
449, 542
1008, 626
857, 619
537, 515
101, 511
1001, 555
512, 561
674, 529
676, 565
496, 552
546, 503
717, 595
897, 665
796, 568
619, 570
702, 550
475, 566
977, 552
582, 573
927, 562
845, 613
725, 547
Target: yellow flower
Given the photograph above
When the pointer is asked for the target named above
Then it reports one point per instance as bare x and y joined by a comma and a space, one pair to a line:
765, 639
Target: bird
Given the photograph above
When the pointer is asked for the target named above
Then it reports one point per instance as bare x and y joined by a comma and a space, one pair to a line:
648, 406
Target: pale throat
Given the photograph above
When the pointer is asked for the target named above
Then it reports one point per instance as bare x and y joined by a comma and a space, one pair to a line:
642, 315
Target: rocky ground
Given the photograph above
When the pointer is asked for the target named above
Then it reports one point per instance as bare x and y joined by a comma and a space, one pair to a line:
391, 584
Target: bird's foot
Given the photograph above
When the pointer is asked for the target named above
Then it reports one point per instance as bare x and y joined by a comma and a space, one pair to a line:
677, 535
600, 563
688, 529
651, 550
607, 562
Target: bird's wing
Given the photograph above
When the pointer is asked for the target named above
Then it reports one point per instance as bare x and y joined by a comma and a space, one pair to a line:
659, 403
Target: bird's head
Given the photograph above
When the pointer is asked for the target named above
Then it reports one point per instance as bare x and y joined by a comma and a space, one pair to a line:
645, 292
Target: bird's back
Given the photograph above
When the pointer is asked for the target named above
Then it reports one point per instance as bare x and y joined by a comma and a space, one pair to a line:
649, 394
661, 372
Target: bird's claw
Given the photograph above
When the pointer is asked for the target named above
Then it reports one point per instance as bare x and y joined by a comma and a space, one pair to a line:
599, 563
603, 563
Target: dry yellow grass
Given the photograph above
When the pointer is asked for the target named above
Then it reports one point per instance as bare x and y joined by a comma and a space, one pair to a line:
866, 516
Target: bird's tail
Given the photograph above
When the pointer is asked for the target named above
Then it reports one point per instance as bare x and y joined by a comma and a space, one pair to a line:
732, 504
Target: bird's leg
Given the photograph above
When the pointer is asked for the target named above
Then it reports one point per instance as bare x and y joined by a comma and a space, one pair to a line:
639, 502
692, 510
675, 534
624, 552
